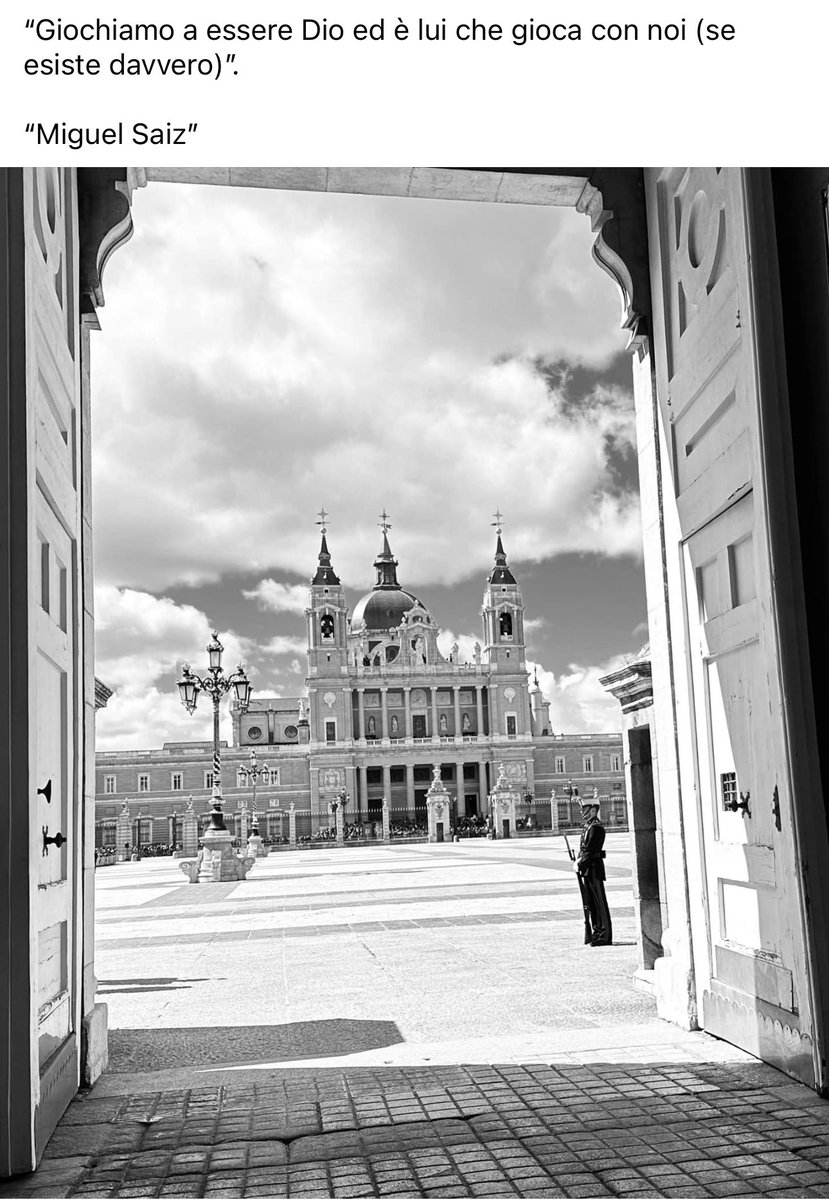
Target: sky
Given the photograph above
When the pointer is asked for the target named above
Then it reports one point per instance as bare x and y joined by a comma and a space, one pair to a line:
265, 355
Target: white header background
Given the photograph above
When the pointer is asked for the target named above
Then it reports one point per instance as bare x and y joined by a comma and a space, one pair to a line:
758, 99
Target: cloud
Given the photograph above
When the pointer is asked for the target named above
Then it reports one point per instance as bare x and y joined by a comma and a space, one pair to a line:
466, 644
141, 642
279, 597
578, 702
356, 354
283, 644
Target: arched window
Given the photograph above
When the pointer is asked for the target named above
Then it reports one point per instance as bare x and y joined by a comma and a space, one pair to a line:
505, 623
326, 626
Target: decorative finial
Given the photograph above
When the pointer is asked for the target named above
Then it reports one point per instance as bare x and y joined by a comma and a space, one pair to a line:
323, 519
384, 521
499, 517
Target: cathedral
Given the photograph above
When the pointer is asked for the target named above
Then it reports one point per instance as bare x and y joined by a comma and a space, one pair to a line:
384, 706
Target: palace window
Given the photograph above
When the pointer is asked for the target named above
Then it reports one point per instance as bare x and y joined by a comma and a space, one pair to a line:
615, 762
330, 731
512, 727
560, 766
176, 781
109, 784
587, 764
241, 777
143, 783
208, 779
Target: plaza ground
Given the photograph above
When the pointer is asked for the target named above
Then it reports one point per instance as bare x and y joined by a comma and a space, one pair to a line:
407, 1021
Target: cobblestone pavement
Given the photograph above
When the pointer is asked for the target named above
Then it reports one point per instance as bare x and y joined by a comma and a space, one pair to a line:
326, 1062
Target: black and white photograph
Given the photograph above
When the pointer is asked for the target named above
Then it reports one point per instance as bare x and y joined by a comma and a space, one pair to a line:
412, 736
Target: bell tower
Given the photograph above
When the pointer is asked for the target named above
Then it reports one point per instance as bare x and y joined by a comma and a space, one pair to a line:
503, 612
326, 614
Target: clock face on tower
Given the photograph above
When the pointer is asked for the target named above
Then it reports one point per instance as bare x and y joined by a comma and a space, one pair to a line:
330, 699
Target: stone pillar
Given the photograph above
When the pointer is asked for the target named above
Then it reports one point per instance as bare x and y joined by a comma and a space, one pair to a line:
218, 863
242, 824
292, 824
456, 694
189, 831
483, 806
438, 809
123, 835
340, 820
407, 714
384, 709
386, 831
361, 799
460, 790
479, 705
494, 726
554, 811
410, 789
433, 692
505, 798
387, 782
361, 707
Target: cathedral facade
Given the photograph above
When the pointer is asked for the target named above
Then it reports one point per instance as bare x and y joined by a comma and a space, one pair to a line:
384, 706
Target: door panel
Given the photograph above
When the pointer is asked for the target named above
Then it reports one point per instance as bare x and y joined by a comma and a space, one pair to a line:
749, 959
55, 650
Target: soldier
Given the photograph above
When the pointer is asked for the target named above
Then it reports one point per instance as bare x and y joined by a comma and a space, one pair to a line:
591, 872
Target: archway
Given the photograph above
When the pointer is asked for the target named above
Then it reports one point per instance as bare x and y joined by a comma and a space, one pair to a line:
727, 621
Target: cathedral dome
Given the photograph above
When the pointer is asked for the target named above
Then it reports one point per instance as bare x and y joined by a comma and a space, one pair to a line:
383, 608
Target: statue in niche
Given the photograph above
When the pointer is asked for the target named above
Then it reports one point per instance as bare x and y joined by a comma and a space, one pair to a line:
395, 724
444, 724
372, 725
466, 724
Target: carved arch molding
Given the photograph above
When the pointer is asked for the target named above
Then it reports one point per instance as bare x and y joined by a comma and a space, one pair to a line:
613, 198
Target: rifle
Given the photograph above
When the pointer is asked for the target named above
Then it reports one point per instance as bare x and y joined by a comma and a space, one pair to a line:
588, 928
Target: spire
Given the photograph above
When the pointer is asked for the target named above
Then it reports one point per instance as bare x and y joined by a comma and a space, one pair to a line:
325, 573
500, 573
385, 563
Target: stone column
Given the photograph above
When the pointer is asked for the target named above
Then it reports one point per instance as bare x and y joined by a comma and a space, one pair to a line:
189, 831
361, 706
494, 725
434, 694
479, 705
384, 709
410, 789
407, 714
387, 782
386, 831
361, 799
554, 811
123, 835
456, 694
292, 824
242, 824
482, 793
340, 820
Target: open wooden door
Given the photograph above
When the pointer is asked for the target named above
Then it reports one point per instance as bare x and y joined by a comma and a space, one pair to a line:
43, 643
713, 325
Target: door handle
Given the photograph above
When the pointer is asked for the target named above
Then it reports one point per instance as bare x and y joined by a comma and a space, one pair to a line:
57, 840
46, 791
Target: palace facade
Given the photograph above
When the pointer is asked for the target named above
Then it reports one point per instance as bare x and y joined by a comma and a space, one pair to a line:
383, 706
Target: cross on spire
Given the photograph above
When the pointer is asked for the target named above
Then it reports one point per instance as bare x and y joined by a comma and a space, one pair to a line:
499, 517
323, 519
384, 521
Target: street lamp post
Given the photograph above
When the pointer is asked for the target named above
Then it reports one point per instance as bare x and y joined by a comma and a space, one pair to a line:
253, 772
215, 684
217, 862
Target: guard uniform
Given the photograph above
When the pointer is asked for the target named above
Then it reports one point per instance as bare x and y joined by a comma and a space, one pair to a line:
590, 865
